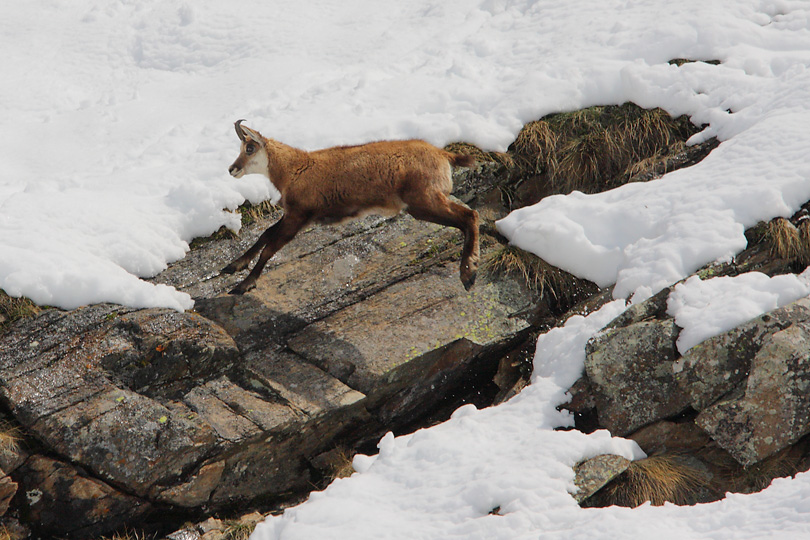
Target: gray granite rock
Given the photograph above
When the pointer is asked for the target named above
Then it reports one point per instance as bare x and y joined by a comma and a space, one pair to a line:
630, 370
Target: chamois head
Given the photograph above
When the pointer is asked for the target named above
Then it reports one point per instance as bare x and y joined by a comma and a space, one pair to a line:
252, 155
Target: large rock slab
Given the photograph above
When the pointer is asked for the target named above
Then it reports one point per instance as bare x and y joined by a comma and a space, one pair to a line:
146, 400
379, 342
351, 331
73, 380
630, 370
297, 290
770, 408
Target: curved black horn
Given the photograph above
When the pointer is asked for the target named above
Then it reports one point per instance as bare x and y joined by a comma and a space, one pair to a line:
239, 132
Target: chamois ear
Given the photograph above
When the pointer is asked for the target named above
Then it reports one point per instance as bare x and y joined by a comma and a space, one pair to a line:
255, 135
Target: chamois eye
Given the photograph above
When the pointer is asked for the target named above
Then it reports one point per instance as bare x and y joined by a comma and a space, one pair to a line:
249, 149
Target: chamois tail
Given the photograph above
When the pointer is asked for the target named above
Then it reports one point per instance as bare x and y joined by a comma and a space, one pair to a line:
461, 160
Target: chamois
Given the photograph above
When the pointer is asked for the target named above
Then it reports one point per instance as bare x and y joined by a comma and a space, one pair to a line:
345, 182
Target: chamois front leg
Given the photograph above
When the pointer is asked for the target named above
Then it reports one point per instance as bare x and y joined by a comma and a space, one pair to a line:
269, 243
242, 262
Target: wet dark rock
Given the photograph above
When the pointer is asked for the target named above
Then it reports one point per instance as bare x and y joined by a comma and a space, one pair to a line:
62, 499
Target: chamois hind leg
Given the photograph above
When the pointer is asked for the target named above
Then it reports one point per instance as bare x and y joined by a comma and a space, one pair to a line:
269, 243
438, 208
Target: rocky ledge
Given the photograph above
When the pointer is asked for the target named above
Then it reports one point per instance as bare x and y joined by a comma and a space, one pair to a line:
351, 331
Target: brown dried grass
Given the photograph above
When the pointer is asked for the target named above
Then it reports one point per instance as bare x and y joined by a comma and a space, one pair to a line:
13, 309
128, 534
536, 273
597, 148
10, 438
785, 240
237, 530
656, 479
342, 467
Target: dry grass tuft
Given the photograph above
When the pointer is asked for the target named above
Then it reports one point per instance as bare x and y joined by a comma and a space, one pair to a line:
597, 148
535, 148
10, 438
237, 530
342, 465
804, 240
657, 479
255, 212
128, 534
785, 240
536, 273
760, 475
12, 309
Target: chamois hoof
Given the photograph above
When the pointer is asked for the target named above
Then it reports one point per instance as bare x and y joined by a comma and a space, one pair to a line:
242, 288
468, 282
230, 269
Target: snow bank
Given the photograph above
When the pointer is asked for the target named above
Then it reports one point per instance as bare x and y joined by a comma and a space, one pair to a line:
707, 308
643, 237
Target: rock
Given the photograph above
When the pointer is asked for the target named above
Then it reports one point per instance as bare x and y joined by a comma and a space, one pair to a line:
14, 530
666, 437
630, 369
197, 490
721, 364
771, 410
654, 308
8, 488
72, 379
351, 332
216, 529
61, 500
591, 475
330, 275
386, 339
582, 397
186, 534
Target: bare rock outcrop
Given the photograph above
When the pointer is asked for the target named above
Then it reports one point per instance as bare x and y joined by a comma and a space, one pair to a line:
748, 386
350, 332
762, 395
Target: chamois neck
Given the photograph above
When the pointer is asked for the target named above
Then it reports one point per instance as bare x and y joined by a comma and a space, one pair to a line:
284, 162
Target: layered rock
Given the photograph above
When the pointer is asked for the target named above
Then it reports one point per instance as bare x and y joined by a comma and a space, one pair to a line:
350, 332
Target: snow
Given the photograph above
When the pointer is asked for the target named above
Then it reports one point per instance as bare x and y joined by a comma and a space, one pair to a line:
703, 309
117, 136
